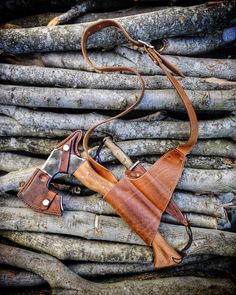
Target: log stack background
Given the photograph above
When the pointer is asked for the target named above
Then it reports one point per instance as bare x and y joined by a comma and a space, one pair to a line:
47, 90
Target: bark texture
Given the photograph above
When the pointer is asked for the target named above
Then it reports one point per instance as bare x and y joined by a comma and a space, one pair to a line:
114, 229
13, 162
160, 24
189, 66
119, 129
168, 99
191, 45
44, 76
133, 148
73, 284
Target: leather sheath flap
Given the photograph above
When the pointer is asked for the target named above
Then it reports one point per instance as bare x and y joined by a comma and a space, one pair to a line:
159, 182
36, 194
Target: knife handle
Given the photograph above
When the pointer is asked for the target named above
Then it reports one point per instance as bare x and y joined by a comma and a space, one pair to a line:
91, 179
117, 152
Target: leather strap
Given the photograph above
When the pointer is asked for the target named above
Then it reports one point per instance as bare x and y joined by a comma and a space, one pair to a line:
162, 63
89, 31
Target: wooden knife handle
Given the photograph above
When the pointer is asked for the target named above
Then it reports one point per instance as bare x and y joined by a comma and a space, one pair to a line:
117, 152
91, 179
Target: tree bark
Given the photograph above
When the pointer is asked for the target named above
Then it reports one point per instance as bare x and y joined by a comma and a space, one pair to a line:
191, 45
29, 131
119, 129
18, 278
14, 161
82, 250
164, 23
199, 220
187, 202
73, 284
114, 229
44, 76
38, 146
143, 147
43, 19
189, 66
168, 99
133, 148
196, 162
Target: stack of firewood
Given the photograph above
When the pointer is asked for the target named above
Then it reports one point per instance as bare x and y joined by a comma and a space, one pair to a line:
48, 90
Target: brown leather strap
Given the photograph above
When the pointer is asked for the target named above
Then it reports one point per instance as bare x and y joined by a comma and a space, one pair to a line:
89, 31
160, 61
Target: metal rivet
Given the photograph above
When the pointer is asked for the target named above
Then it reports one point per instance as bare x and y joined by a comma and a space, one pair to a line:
66, 147
46, 202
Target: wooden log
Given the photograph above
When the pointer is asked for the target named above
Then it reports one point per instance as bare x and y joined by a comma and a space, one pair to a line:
77, 249
43, 19
164, 23
14, 278
133, 148
38, 146
17, 130
189, 66
201, 162
18, 278
114, 229
52, 270
45, 76
35, 20
198, 220
10, 277
195, 219
104, 99
84, 7
43, 265
194, 180
143, 147
192, 45
187, 202
119, 129
197, 162
13, 162
112, 254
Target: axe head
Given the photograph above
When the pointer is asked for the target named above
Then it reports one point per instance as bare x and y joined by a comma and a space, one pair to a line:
36, 192
36, 195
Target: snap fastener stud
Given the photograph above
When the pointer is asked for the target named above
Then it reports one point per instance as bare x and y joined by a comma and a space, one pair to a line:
66, 147
45, 202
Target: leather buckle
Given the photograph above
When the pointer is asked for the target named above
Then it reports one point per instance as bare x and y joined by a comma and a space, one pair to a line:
146, 44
